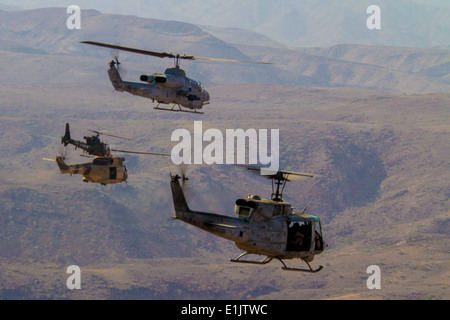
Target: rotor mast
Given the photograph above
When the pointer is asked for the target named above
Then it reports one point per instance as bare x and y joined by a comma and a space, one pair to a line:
279, 180
176, 58
280, 183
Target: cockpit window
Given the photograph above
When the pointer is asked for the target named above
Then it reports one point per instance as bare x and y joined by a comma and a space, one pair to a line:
244, 212
318, 227
245, 208
103, 161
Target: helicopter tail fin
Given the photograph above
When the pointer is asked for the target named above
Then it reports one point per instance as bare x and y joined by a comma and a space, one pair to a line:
61, 164
66, 139
179, 200
114, 77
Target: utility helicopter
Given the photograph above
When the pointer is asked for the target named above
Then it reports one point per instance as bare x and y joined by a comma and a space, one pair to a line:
105, 167
264, 227
102, 170
171, 87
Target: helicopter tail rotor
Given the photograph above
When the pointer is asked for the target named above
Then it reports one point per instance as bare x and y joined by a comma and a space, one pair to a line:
181, 175
179, 198
115, 53
182, 168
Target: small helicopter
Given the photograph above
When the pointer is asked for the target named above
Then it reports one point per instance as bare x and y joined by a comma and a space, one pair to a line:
171, 87
263, 227
102, 170
105, 168
95, 147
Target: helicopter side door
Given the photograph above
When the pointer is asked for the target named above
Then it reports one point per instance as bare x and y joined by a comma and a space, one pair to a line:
299, 236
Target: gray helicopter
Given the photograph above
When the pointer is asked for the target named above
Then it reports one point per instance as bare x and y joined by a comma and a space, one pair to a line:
171, 87
263, 227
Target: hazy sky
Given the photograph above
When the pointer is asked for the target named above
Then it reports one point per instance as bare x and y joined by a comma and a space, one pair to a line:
135, 6
284, 20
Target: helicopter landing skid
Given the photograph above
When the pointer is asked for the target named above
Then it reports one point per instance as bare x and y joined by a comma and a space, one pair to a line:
269, 259
238, 259
310, 270
177, 110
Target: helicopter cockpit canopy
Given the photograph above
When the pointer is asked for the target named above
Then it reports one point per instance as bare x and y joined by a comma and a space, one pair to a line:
197, 85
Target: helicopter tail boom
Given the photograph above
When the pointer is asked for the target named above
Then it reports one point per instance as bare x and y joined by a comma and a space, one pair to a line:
73, 168
114, 77
61, 164
222, 226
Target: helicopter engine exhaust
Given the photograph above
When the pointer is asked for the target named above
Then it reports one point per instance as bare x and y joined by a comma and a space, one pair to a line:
160, 79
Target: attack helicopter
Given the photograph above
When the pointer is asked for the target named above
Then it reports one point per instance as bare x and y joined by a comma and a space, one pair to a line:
264, 227
171, 87
105, 167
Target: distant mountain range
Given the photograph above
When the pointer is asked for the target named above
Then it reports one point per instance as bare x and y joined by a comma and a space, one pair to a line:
42, 35
307, 23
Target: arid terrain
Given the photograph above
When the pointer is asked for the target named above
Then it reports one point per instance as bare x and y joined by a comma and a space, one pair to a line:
375, 131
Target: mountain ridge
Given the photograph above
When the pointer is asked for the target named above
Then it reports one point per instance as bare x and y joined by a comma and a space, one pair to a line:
381, 191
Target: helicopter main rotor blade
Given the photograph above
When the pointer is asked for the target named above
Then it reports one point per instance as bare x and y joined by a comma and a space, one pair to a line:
282, 174
223, 60
138, 152
134, 50
110, 135
164, 54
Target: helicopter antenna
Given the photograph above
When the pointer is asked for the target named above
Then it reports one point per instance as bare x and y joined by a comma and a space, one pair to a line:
304, 210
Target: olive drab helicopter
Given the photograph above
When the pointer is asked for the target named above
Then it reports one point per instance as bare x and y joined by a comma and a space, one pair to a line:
105, 167
95, 147
263, 227
171, 87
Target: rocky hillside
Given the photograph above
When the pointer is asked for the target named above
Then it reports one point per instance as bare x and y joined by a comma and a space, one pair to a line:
381, 158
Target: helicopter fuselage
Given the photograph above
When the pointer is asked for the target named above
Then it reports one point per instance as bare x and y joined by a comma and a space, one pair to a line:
172, 87
102, 170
